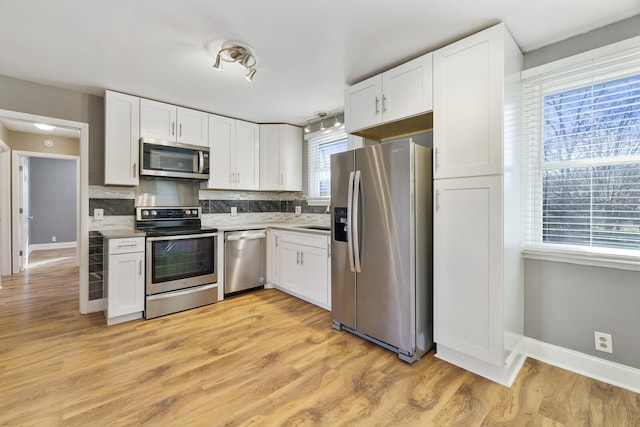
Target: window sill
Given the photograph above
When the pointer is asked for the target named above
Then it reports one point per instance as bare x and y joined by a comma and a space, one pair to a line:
594, 259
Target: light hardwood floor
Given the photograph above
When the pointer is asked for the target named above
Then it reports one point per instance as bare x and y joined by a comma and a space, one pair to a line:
264, 359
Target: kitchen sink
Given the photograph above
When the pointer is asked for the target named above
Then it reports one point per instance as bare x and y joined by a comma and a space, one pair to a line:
318, 227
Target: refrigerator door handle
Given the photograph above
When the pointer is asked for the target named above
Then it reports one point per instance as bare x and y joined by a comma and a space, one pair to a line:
349, 210
356, 225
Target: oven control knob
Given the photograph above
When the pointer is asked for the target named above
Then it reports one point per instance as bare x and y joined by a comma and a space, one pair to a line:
154, 213
145, 213
187, 212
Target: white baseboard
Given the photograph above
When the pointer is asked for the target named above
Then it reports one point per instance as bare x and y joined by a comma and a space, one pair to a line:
584, 364
56, 245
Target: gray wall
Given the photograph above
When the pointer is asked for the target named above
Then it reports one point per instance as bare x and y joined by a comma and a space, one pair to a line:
566, 303
34, 98
52, 200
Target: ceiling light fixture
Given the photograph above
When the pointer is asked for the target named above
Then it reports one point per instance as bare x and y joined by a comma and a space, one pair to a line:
307, 128
237, 52
43, 126
337, 123
322, 116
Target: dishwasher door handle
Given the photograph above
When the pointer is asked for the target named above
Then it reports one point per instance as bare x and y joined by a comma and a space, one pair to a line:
246, 236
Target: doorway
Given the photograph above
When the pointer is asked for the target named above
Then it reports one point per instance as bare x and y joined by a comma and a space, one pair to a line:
82, 207
45, 203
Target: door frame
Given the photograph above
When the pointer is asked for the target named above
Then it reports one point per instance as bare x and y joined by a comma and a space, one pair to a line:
15, 186
5, 209
83, 201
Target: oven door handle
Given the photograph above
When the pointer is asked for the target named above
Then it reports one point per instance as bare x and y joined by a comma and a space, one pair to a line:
181, 237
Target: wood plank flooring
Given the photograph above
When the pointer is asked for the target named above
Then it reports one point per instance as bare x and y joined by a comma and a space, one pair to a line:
263, 359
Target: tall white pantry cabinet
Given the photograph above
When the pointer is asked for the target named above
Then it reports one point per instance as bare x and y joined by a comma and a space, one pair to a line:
478, 269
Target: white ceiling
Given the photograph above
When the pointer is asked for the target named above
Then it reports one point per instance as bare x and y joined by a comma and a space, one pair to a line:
307, 52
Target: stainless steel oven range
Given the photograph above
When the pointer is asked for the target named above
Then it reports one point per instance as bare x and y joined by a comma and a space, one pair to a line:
181, 255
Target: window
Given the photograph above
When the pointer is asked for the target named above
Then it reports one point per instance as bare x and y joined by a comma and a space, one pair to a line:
319, 150
582, 157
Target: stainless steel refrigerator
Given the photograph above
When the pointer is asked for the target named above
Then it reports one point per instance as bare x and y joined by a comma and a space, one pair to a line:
381, 246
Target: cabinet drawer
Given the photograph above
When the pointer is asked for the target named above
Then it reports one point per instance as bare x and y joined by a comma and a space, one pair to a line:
303, 238
126, 245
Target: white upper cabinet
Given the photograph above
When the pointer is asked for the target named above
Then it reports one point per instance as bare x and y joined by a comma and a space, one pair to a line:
399, 93
280, 158
469, 83
170, 123
234, 154
122, 134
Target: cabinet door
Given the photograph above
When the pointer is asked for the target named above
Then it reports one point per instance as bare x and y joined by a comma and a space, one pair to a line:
363, 104
247, 156
468, 273
468, 87
291, 158
290, 274
407, 89
193, 127
271, 177
222, 134
122, 134
316, 282
157, 120
125, 281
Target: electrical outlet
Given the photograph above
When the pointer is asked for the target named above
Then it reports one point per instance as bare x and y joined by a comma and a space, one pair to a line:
603, 342
98, 214
234, 211
298, 210
53, 238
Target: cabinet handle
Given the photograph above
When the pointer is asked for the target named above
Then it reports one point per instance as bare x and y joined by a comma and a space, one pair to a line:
301, 257
377, 105
297, 257
130, 245
438, 200
173, 128
384, 103
140, 268
276, 241
135, 170
180, 130
238, 178
437, 158
281, 178
328, 249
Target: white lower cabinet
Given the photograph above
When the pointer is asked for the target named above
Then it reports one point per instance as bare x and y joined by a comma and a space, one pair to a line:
298, 263
125, 266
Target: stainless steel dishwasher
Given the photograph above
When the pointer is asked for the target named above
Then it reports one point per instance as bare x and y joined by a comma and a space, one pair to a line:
244, 260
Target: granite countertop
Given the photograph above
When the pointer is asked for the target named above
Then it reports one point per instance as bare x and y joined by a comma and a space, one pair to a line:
123, 233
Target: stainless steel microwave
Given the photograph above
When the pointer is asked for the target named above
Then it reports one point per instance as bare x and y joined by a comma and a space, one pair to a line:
168, 159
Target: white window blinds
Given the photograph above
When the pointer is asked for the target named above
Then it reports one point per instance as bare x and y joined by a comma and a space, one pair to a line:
582, 156
320, 147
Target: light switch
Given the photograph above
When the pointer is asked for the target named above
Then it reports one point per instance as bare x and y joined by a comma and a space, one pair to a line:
98, 214
298, 210
234, 211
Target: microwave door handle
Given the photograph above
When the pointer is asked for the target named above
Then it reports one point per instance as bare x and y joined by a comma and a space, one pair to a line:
200, 162
356, 222
349, 223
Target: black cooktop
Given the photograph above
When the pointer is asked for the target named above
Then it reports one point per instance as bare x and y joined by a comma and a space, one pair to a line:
170, 221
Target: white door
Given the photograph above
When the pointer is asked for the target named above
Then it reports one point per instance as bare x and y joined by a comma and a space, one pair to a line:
222, 134
247, 156
363, 104
193, 127
467, 267
270, 173
157, 120
407, 89
23, 197
314, 262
